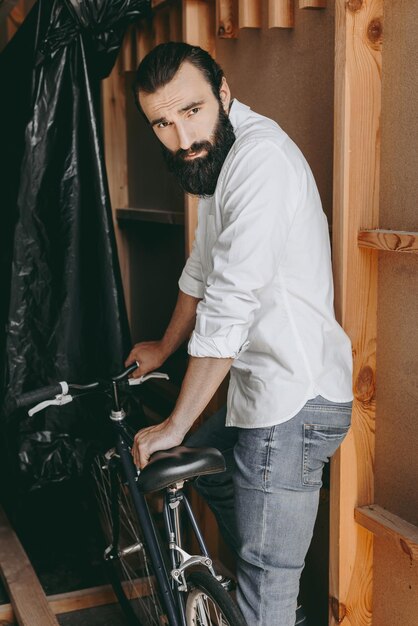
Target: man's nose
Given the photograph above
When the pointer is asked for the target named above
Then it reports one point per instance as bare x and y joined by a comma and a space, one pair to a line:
185, 137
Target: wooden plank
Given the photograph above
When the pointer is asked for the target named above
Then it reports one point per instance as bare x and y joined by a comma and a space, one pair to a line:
190, 220
249, 13
175, 22
312, 4
198, 30
81, 599
386, 525
388, 240
128, 50
161, 27
115, 142
281, 14
150, 215
358, 65
5, 8
27, 597
199, 24
144, 39
227, 19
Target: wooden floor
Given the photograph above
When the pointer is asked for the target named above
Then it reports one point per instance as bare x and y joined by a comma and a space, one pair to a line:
110, 615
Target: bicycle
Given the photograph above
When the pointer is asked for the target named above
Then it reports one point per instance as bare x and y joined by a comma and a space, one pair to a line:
155, 582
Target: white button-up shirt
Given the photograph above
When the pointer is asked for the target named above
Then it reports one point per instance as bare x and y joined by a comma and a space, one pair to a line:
261, 264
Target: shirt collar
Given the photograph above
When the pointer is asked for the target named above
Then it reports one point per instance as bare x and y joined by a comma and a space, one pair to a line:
238, 113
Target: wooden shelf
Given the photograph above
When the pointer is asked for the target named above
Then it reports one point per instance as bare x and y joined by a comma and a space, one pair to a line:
150, 215
384, 524
388, 240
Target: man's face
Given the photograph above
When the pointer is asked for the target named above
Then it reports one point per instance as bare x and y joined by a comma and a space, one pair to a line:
193, 127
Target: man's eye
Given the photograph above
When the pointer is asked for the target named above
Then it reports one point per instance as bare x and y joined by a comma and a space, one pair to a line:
162, 124
194, 111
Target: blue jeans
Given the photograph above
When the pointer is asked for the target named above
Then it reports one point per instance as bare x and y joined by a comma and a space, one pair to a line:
267, 500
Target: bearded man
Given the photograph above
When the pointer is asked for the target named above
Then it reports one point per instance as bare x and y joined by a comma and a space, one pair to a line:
256, 296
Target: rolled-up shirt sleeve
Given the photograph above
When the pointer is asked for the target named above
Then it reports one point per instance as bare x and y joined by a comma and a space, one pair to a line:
258, 197
191, 279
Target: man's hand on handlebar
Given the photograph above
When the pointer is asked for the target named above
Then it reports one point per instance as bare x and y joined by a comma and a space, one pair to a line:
149, 356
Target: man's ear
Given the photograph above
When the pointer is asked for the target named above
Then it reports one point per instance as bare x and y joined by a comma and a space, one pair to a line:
225, 94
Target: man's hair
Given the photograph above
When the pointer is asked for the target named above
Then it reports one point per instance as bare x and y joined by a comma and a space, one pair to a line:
160, 66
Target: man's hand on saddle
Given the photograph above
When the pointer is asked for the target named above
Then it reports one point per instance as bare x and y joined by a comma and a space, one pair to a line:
154, 438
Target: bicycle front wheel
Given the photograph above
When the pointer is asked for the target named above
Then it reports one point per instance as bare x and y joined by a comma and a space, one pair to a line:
209, 604
129, 568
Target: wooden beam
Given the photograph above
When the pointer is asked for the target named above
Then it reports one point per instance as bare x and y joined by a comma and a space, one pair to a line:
161, 27
198, 30
82, 599
115, 142
199, 24
249, 13
227, 19
175, 18
5, 8
312, 4
386, 525
388, 240
128, 51
144, 39
358, 65
27, 597
281, 13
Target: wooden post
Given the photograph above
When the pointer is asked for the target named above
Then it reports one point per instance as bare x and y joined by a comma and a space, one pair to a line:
144, 40
199, 24
356, 205
161, 26
115, 141
175, 19
249, 12
30, 606
312, 4
198, 29
227, 19
128, 51
281, 13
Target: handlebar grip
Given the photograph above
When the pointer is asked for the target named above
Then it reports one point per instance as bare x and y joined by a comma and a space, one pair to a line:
38, 395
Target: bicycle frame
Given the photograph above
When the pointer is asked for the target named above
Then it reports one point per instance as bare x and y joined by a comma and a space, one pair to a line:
170, 590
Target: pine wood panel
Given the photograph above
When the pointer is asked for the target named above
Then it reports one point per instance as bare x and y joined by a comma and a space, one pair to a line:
199, 24
144, 39
115, 142
281, 13
384, 524
227, 19
388, 240
312, 4
356, 205
198, 29
27, 597
249, 12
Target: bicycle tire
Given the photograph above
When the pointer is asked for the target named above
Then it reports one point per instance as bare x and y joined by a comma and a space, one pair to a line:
208, 603
130, 575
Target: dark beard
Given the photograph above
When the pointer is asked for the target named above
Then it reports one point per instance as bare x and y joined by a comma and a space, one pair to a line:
199, 176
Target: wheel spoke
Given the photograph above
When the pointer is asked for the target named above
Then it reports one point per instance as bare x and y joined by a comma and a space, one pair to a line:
132, 570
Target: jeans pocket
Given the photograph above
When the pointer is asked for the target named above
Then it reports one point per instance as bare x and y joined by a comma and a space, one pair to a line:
320, 441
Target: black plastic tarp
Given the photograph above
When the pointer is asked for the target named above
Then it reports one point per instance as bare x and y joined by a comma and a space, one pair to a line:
62, 311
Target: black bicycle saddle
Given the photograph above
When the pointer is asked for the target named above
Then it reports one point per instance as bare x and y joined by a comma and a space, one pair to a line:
180, 463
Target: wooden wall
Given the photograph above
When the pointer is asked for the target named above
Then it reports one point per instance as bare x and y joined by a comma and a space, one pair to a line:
396, 471
288, 75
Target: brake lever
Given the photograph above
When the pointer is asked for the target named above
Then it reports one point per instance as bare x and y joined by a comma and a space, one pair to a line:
142, 379
59, 400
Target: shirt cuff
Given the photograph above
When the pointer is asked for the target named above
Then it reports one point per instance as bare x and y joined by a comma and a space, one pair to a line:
191, 286
217, 347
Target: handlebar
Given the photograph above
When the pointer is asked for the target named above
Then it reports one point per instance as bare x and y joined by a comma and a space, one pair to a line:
38, 395
57, 393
